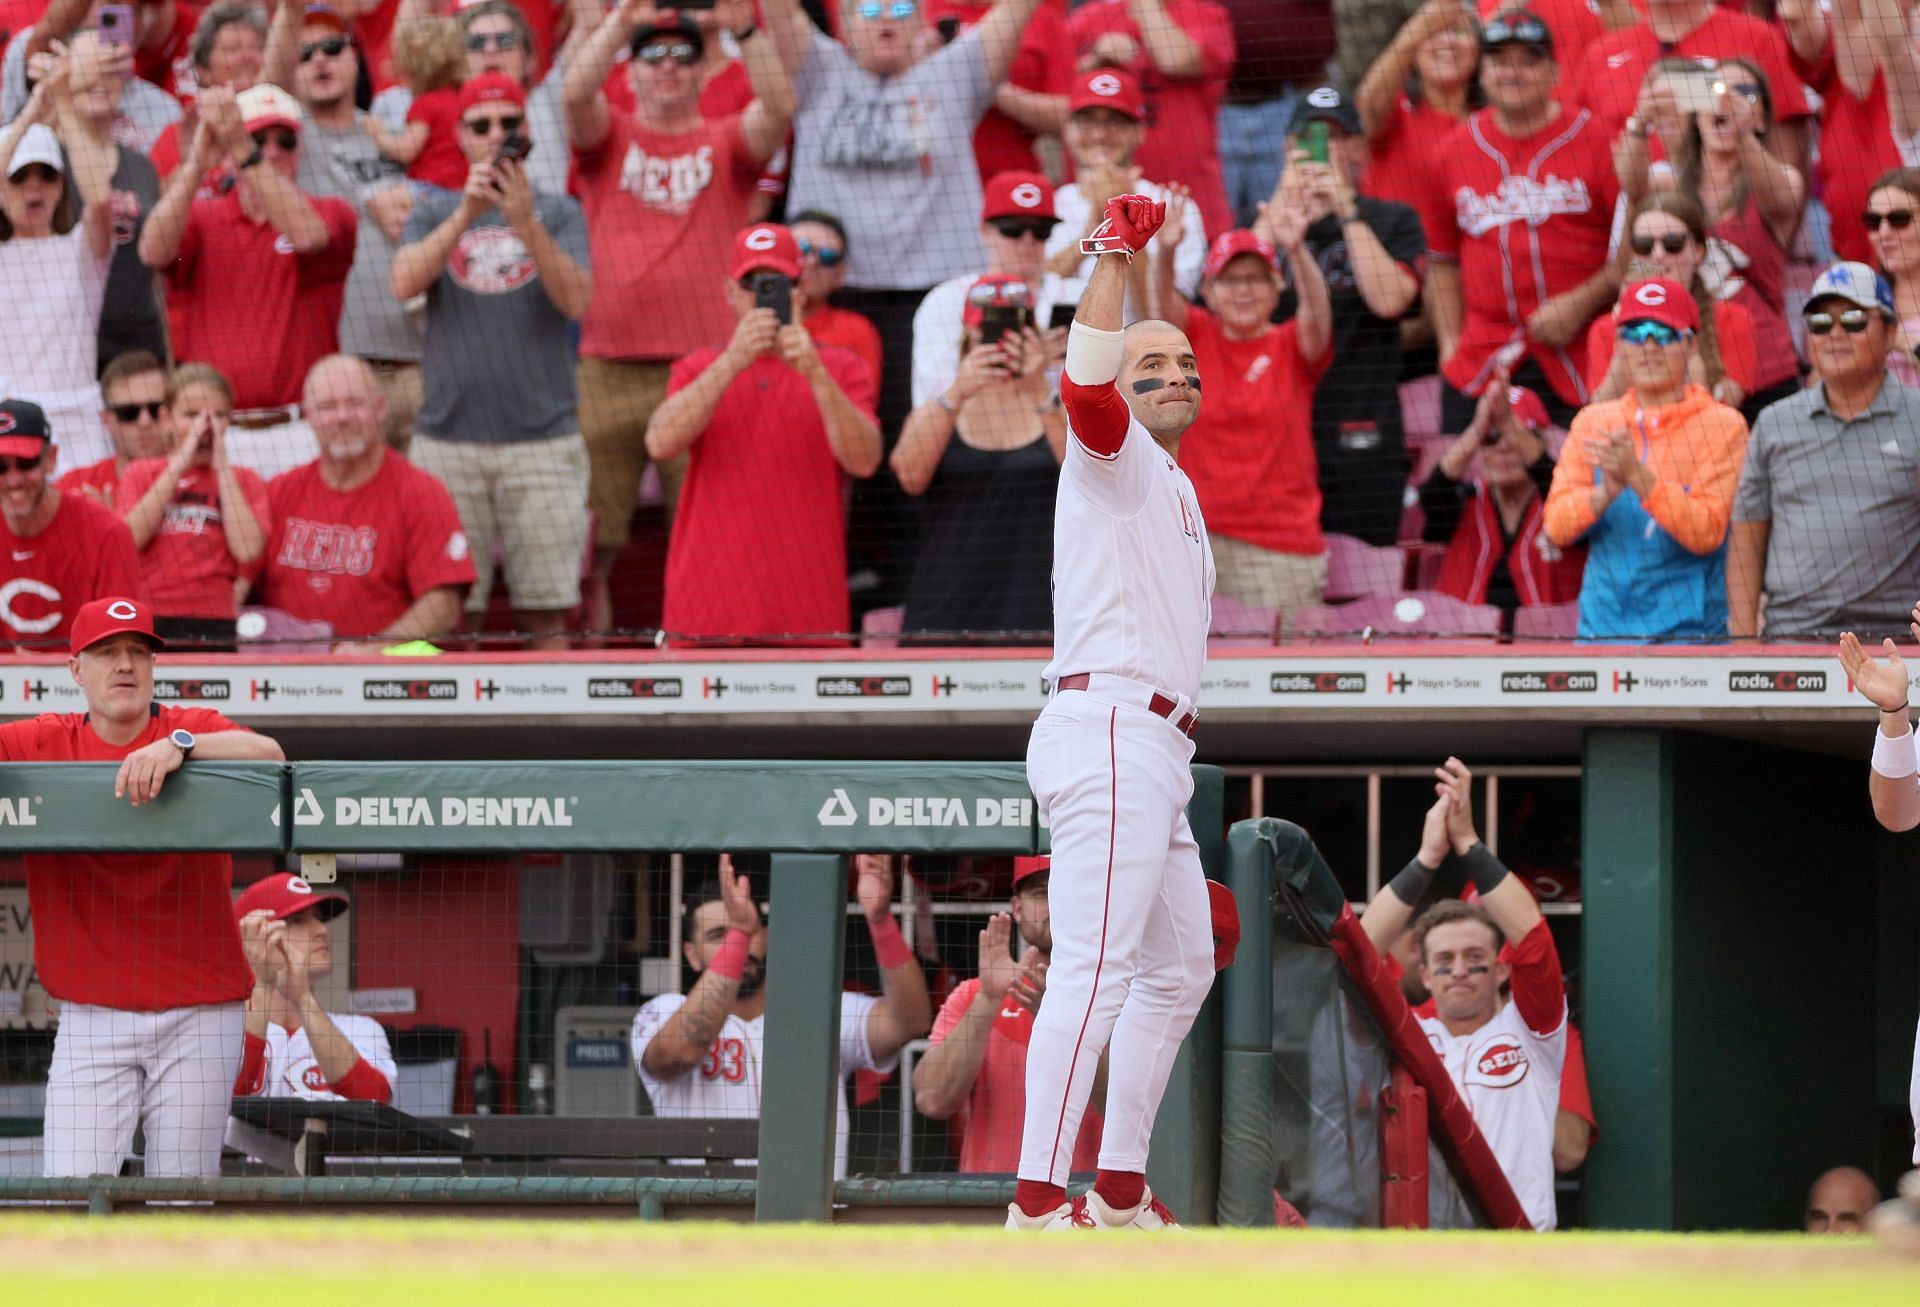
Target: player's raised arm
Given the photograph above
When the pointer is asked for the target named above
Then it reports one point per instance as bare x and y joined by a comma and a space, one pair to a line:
1096, 411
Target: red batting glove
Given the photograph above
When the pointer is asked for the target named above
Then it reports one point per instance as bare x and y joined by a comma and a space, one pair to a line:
1130, 223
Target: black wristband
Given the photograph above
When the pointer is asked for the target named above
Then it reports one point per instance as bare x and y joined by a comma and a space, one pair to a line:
1482, 868
1904, 705
1412, 882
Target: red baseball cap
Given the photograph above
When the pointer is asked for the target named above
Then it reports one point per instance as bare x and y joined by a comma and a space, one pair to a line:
1528, 408
1226, 924
24, 430
285, 894
325, 16
1231, 245
111, 616
996, 288
489, 87
1025, 867
766, 246
1658, 299
1017, 194
1108, 88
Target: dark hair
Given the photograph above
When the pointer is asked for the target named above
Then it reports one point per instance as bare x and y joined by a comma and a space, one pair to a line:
127, 365
1445, 913
825, 219
218, 17
1686, 211
1896, 179
511, 12
1688, 164
707, 891
65, 217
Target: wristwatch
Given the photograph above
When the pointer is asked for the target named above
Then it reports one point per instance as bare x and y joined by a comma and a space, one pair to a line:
182, 740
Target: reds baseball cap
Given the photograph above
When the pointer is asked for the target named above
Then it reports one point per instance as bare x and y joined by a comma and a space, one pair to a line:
1855, 283
1517, 27
489, 88
1658, 299
1108, 88
23, 428
37, 144
996, 289
1325, 104
108, 617
266, 105
766, 246
285, 894
1025, 867
682, 28
1230, 245
1016, 194
1528, 409
1226, 924
325, 16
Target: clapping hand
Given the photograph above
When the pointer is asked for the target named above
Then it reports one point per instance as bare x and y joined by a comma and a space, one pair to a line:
1885, 684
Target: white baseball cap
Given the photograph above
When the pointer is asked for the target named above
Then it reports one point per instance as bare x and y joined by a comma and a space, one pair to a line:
37, 144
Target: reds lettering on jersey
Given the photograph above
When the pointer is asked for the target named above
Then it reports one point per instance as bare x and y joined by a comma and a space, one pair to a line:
671, 184
330, 548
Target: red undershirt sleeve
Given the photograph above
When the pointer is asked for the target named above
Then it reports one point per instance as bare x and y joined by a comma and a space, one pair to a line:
362, 1082
1537, 988
253, 1067
1097, 416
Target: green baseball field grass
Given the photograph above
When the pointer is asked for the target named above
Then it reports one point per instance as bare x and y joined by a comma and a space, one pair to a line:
195, 1260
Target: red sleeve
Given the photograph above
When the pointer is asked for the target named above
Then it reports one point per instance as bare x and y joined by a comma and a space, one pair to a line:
335, 260
1575, 1097
1738, 354
363, 1083
1287, 340
1209, 27
952, 1011
253, 1066
135, 482
1097, 416
1439, 215
165, 154
1789, 94
437, 552
1537, 988
1600, 349
856, 378
117, 565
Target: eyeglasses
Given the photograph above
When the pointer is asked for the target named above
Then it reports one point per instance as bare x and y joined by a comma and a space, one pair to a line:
1852, 321
506, 122
1014, 228
898, 9
1899, 219
1644, 332
131, 412
21, 464
480, 41
828, 256
684, 53
1672, 242
285, 138
332, 47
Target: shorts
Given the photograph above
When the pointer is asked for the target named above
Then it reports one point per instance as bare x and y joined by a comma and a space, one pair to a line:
617, 398
1266, 578
525, 500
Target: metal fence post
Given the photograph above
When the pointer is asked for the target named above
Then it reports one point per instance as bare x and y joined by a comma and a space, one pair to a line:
1246, 1060
797, 1116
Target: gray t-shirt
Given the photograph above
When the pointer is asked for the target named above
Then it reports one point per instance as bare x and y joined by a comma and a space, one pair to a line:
130, 315
893, 157
1843, 499
347, 165
498, 363
143, 113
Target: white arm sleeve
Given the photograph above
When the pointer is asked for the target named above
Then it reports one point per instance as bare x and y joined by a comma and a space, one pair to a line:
1093, 355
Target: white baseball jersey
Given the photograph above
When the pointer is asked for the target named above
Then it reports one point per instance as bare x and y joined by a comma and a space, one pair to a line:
292, 1071
1510, 1077
1132, 567
728, 1082
1913, 1097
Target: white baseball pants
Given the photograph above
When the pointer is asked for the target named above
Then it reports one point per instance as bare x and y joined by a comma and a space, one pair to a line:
113, 1070
1132, 930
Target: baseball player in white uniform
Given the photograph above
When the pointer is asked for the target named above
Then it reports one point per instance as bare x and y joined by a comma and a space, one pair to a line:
1504, 1055
1109, 756
699, 1053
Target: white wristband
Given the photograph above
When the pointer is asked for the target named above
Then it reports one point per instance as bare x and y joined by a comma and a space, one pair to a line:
1093, 355
1893, 755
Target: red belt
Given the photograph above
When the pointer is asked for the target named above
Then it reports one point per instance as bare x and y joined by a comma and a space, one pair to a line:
1161, 705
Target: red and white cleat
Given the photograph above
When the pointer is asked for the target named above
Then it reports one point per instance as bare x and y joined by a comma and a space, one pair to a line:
1150, 1214
1070, 1215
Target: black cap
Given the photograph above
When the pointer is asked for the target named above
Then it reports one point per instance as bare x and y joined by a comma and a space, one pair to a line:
23, 428
682, 27
1325, 104
1517, 27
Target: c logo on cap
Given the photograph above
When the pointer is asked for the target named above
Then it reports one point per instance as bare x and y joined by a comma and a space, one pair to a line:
122, 611
6, 423
1651, 295
760, 238
1324, 98
298, 885
1026, 195
1104, 84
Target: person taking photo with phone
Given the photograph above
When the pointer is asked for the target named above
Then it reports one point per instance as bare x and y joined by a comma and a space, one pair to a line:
772, 424
505, 271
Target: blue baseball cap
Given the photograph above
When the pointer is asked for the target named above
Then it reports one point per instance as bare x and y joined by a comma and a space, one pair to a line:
1857, 284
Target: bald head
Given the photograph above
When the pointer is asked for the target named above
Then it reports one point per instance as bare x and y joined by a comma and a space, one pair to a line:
1839, 1201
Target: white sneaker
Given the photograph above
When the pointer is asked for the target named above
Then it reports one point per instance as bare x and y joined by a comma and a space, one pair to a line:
1070, 1215
1148, 1214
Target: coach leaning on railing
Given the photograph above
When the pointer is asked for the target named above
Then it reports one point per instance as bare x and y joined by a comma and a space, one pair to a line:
140, 949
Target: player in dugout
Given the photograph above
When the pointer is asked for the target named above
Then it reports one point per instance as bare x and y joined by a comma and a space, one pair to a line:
1504, 1055
140, 948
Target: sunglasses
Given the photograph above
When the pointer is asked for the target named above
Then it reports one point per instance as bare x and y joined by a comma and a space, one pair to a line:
1748, 91
684, 53
479, 41
1648, 333
1014, 228
131, 412
1852, 321
1899, 219
1016, 293
1672, 242
508, 123
21, 464
37, 171
828, 256
332, 47
284, 137
873, 12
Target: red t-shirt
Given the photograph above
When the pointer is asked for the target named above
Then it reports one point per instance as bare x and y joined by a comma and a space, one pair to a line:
439, 161
251, 306
990, 1123
1182, 142
134, 931
1043, 62
1250, 455
1856, 147
1526, 220
829, 325
1744, 246
373, 33
103, 477
86, 553
1731, 325
171, 66
187, 568
359, 558
1403, 154
661, 214
759, 543
1607, 79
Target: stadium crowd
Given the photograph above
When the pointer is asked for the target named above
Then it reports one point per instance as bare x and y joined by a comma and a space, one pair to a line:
391, 318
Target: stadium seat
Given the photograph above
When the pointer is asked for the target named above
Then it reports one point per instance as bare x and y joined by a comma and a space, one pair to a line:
1417, 612
1236, 624
880, 627
1356, 569
1420, 406
282, 632
1547, 622
1424, 564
